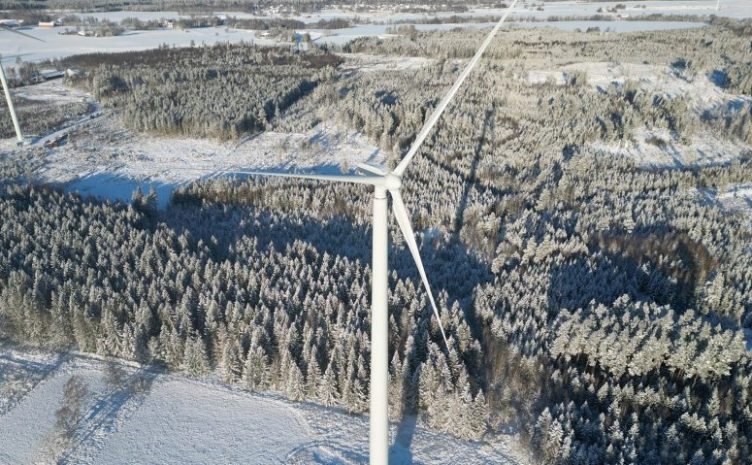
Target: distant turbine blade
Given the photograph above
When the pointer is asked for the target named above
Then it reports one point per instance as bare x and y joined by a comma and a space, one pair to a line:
400, 170
21, 33
370, 169
371, 180
403, 219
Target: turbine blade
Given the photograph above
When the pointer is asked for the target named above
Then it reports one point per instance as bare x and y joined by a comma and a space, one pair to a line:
400, 170
21, 33
403, 219
371, 180
370, 169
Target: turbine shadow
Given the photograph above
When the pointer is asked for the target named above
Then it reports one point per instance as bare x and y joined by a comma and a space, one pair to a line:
459, 215
226, 226
400, 453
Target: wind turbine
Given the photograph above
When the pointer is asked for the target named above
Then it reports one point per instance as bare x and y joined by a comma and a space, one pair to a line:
384, 181
6, 88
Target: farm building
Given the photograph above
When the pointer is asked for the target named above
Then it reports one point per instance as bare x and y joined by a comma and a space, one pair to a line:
48, 74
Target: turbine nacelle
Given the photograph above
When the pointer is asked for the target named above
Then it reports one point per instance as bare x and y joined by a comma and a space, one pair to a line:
392, 182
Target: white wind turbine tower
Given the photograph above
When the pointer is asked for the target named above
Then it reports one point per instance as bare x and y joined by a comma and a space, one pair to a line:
384, 181
6, 88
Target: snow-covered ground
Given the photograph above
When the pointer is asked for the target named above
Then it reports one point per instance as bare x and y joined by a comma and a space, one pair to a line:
369, 63
106, 159
411, 444
27, 430
734, 199
58, 46
737, 198
186, 422
176, 420
657, 149
51, 91
342, 36
99, 156
701, 90
20, 372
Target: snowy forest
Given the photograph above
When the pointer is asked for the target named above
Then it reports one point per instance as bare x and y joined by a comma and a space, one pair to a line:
221, 92
595, 306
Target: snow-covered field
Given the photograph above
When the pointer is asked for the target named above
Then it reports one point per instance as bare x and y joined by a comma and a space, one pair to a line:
176, 420
59, 46
342, 36
99, 156
51, 91
19, 373
204, 424
27, 430
106, 159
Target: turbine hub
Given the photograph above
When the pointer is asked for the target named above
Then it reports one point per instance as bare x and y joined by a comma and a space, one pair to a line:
392, 181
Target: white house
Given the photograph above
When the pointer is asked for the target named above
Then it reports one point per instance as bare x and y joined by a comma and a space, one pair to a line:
11, 22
